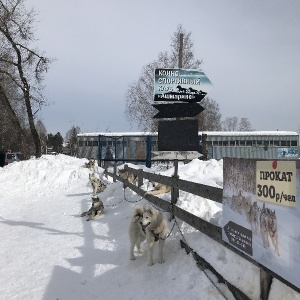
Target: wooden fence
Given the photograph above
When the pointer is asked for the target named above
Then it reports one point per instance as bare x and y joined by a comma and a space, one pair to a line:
209, 229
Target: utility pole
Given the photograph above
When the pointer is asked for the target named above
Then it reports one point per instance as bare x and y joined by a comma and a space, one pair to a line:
180, 50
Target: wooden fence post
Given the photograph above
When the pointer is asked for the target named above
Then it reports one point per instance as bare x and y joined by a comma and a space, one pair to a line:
115, 171
174, 188
140, 177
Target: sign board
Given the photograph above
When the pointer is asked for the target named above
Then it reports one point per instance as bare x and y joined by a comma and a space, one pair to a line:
276, 182
179, 135
185, 85
239, 236
177, 110
170, 155
261, 216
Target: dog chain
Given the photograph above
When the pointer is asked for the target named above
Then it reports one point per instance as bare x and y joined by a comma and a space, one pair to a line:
204, 271
132, 201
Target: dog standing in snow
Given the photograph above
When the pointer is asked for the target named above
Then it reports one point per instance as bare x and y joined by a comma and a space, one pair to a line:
148, 224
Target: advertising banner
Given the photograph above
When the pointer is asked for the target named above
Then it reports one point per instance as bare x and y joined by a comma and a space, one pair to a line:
261, 216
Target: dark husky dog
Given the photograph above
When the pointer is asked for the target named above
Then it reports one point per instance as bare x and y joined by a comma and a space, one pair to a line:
264, 226
96, 210
273, 230
128, 176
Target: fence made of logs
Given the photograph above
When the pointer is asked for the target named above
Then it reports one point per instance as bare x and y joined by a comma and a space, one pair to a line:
209, 229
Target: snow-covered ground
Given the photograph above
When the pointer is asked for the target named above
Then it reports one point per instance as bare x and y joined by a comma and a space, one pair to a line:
49, 252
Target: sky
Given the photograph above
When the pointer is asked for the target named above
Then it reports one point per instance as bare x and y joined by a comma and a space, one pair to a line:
250, 52
49, 252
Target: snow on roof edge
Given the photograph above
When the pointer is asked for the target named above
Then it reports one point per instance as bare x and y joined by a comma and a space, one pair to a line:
210, 133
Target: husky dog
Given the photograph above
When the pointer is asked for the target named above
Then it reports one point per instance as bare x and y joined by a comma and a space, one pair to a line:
159, 188
128, 176
91, 164
264, 226
236, 203
97, 185
136, 233
96, 210
273, 230
254, 215
156, 229
246, 206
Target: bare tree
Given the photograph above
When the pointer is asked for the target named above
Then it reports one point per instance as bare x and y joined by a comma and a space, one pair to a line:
210, 118
230, 124
234, 124
21, 66
245, 125
72, 140
139, 96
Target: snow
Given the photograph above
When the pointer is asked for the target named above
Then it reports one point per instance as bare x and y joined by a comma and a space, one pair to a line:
210, 133
49, 252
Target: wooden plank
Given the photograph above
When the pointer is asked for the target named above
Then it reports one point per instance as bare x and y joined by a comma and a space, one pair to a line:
205, 191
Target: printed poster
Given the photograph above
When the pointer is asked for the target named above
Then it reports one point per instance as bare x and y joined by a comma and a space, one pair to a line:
261, 216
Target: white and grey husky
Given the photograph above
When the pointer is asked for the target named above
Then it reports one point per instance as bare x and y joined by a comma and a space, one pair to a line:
158, 189
269, 228
95, 211
97, 185
91, 164
148, 223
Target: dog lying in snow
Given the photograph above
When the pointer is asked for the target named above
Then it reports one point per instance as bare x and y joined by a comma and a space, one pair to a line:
128, 176
159, 189
95, 211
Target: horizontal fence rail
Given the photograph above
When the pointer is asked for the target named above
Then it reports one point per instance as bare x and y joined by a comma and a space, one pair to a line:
209, 229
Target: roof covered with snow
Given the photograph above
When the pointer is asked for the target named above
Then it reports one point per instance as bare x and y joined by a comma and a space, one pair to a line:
210, 133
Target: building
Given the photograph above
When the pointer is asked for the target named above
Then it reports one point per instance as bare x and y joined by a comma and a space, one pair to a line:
137, 146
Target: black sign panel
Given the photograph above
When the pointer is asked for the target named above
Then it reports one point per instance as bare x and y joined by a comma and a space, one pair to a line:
177, 110
181, 135
239, 236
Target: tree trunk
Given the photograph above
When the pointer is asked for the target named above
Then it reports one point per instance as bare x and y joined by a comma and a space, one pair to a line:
15, 121
34, 133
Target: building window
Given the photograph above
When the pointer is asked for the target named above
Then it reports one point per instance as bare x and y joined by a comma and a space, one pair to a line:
294, 143
276, 143
248, 143
232, 143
